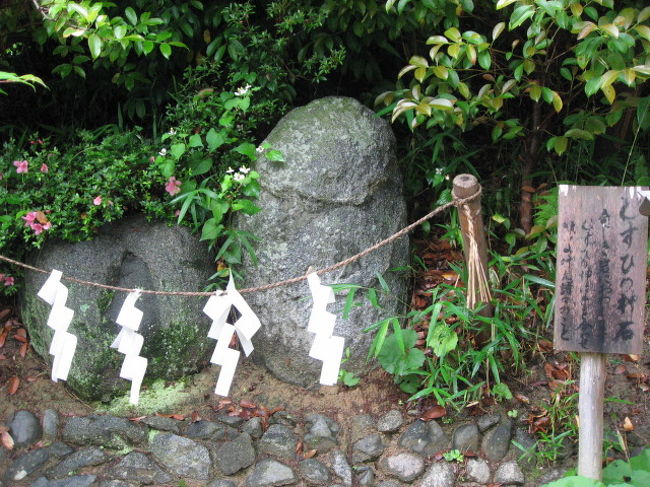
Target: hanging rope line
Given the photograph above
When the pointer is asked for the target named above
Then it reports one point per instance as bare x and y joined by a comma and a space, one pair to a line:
456, 202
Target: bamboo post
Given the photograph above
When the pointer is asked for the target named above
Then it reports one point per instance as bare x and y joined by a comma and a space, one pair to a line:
590, 409
471, 226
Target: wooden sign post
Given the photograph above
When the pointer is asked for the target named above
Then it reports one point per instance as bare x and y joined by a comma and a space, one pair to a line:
600, 295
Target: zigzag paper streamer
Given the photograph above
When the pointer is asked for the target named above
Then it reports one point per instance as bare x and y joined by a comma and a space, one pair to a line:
63, 343
130, 343
325, 347
218, 308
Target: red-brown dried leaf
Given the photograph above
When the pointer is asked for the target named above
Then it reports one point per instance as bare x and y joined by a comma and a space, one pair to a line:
309, 454
298, 448
545, 346
3, 338
276, 410
528, 189
179, 417
522, 398
12, 385
137, 419
434, 412
620, 369
4, 313
3, 356
247, 405
23, 349
7, 440
195, 417
631, 358
42, 219
627, 424
548, 371
637, 376
31, 378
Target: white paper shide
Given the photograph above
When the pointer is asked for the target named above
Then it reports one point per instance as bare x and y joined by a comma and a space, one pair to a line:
218, 308
325, 347
129, 342
63, 343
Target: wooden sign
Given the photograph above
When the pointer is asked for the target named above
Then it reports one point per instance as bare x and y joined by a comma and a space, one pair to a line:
601, 270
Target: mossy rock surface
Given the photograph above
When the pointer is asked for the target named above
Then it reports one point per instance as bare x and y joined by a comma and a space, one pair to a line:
131, 254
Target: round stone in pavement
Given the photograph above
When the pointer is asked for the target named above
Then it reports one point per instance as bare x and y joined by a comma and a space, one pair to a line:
162, 423
26, 464
390, 422
367, 448
181, 456
24, 428
366, 477
138, 467
404, 466
270, 473
221, 483
341, 466
439, 475
314, 471
424, 438
233, 456
210, 430
486, 421
466, 438
116, 483
76, 481
279, 441
509, 473
496, 442
107, 431
50, 424
85, 457
477, 470
253, 427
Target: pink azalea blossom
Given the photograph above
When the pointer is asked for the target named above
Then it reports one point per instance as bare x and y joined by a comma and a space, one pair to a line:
21, 166
37, 227
9, 281
97, 201
29, 218
173, 186
44, 168
32, 222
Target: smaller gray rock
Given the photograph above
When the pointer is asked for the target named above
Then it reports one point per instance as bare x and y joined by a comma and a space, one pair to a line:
278, 441
107, 431
404, 466
210, 430
477, 470
138, 467
253, 427
163, 424
270, 473
466, 438
486, 421
332, 425
496, 441
39, 482
233, 421
314, 471
24, 428
425, 438
439, 475
59, 449
117, 483
341, 466
50, 424
367, 448
366, 477
390, 422
182, 456
322, 433
26, 464
221, 483
509, 473
85, 457
233, 456
76, 481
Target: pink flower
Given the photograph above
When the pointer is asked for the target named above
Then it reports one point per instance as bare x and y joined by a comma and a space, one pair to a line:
173, 186
44, 168
38, 228
9, 281
29, 218
97, 201
21, 166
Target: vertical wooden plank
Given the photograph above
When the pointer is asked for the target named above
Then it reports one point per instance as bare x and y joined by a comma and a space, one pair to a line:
590, 408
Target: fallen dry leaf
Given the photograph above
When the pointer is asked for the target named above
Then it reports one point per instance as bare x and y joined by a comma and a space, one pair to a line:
137, 419
522, 398
620, 369
12, 385
196, 417
435, 412
7, 440
309, 454
179, 417
627, 424
248, 405
31, 378
3, 338
631, 358
23, 349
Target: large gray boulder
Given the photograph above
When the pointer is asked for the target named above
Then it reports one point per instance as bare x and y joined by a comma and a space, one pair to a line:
339, 192
132, 253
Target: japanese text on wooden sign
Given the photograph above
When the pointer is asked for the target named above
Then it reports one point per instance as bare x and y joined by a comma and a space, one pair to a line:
601, 270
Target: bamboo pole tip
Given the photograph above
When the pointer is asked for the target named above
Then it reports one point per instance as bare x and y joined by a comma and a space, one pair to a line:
466, 182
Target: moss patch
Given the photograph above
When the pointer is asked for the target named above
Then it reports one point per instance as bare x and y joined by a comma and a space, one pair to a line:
156, 398
177, 351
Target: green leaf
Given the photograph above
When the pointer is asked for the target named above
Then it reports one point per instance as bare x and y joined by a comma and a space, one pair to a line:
119, 31
418, 61
167, 168
560, 145
454, 34
201, 166
485, 59
611, 29
497, 30
195, 141
644, 31
211, 230
95, 45
131, 15
247, 149
215, 139
579, 134
504, 3
274, 155
520, 15
177, 150
246, 206
442, 104
165, 50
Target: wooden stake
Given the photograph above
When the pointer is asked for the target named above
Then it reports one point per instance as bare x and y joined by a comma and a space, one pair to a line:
466, 185
590, 408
